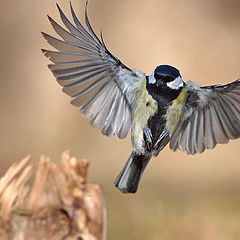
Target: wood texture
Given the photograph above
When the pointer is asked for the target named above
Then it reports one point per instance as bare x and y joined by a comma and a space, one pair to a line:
61, 204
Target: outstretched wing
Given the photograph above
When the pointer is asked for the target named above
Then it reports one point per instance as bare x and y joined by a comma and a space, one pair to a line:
95, 79
212, 116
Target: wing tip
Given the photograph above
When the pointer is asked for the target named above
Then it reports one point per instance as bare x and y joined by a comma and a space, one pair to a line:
50, 18
71, 7
58, 7
60, 10
45, 35
50, 66
44, 51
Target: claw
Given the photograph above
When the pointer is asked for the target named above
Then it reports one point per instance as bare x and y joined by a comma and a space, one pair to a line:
148, 135
161, 137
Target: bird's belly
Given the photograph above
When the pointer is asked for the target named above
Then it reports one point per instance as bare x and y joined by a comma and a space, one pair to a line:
143, 108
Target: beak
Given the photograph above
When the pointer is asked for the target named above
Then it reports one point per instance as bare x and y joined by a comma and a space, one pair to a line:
159, 82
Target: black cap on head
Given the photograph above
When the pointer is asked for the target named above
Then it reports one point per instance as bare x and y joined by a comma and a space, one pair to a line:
166, 71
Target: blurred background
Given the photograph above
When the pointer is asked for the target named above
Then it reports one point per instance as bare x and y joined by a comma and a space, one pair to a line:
180, 197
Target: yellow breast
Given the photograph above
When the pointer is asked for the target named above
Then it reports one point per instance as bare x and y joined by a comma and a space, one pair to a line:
143, 107
175, 111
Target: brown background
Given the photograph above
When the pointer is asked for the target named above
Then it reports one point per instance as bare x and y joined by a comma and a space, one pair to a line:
180, 196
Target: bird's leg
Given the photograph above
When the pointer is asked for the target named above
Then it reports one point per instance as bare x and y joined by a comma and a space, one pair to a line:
148, 137
161, 142
161, 137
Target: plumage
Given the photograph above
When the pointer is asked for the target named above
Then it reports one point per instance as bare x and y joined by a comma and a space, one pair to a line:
159, 108
128, 179
83, 66
215, 110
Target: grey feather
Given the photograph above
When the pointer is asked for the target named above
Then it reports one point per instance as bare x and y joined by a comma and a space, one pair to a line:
115, 119
128, 179
210, 141
79, 25
125, 126
95, 79
72, 89
84, 75
73, 29
96, 103
69, 37
211, 116
58, 57
100, 118
65, 46
219, 128
75, 64
78, 69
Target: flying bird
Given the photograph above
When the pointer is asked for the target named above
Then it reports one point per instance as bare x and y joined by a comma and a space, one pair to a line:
159, 109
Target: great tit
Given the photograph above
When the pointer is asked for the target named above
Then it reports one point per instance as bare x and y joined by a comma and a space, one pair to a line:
159, 109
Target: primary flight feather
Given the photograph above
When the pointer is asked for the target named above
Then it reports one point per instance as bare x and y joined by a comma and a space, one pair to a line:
159, 108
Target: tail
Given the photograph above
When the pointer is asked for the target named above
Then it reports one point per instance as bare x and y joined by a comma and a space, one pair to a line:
128, 179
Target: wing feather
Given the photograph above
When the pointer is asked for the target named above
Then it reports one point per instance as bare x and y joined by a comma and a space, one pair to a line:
211, 116
58, 57
219, 130
183, 136
65, 46
75, 64
125, 126
199, 139
100, 119
96, 103
210, 141
70, 37
188, 142
110, 121
74, 30
83, 76
95, 79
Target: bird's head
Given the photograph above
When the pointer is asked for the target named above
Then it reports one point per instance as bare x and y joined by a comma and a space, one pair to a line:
165, 83
165, 76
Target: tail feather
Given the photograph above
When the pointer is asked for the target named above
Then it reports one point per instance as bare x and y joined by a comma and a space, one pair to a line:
128, 179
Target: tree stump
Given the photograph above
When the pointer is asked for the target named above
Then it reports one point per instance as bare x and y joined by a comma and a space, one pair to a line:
61, 204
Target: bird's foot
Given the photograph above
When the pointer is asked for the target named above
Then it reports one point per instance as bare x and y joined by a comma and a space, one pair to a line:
148, 135
161, 137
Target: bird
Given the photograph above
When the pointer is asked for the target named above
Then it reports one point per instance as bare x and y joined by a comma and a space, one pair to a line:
159, 108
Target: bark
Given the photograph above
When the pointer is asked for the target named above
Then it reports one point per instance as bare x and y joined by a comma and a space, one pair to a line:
61, 204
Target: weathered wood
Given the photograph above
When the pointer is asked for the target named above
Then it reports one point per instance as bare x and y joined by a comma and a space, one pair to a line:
61, 204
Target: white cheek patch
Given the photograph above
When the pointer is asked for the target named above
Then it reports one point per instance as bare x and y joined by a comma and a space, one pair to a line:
151, 79
176, 83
